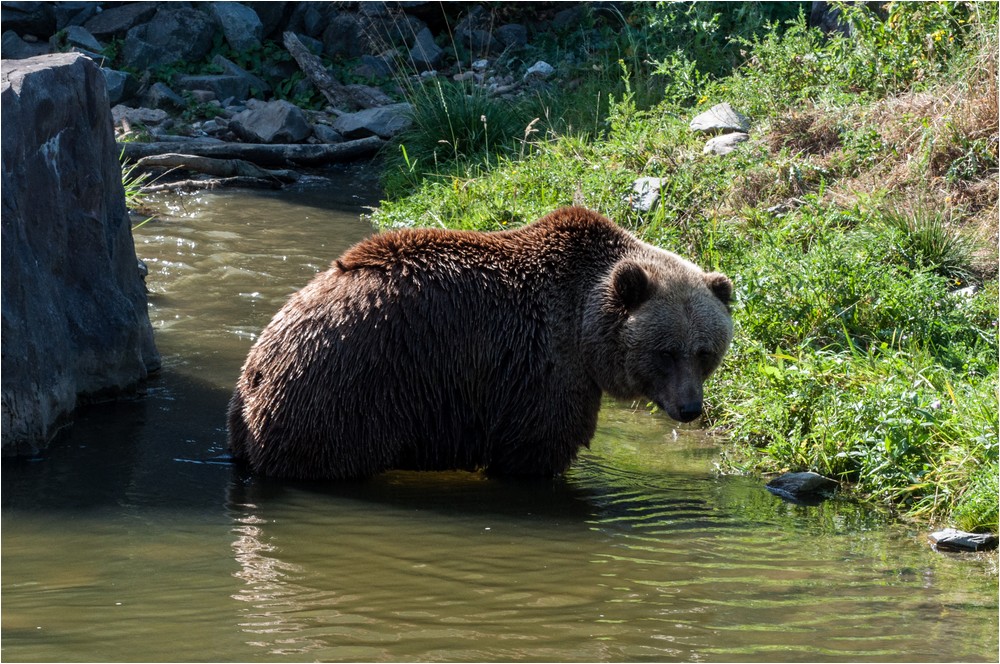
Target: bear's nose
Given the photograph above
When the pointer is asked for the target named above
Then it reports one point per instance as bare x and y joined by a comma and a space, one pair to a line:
690, 411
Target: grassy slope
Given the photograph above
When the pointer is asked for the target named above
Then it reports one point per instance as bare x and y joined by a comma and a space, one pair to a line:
866, 198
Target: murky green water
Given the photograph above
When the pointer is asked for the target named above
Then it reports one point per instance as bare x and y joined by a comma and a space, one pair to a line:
128, 541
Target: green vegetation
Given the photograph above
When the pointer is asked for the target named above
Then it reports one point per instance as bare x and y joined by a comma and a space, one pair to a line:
853, 223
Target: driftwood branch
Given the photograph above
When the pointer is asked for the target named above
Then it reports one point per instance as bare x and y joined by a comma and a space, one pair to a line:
314, 70
213, 183
225, 168
260, 153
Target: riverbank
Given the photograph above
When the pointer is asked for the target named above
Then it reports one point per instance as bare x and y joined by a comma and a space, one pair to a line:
858, 219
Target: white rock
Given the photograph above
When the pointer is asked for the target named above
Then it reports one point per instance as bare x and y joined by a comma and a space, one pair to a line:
540, 70
724, 144
721, 117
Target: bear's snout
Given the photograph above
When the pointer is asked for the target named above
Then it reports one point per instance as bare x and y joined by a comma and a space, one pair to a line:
689, 412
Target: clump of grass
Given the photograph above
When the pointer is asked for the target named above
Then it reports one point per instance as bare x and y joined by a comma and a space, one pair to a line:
455, 127
924, 237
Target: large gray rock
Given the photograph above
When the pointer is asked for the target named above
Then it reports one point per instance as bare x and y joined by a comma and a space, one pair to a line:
223, 86
720, 118
384, 122
806, 487
74, 321
951, 539
12, 47
274, 122
425, 53
35, 18
173, 35
724, 143
241, 26
118, 18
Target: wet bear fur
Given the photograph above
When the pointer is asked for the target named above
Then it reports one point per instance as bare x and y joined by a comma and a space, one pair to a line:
432, 349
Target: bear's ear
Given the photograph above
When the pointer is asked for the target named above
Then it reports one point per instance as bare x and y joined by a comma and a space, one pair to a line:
631, 284
721, 286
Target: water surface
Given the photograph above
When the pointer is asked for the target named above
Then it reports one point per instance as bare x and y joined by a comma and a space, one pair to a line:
130, 540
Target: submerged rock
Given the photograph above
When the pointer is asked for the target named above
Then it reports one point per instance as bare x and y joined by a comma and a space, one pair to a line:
807, 487
74, 321
951, 539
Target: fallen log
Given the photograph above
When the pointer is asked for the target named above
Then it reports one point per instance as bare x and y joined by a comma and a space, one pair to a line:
225, 168
212, 183
314, 70
262, 154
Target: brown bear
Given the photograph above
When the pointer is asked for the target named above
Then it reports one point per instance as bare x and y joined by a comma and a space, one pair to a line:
430, 349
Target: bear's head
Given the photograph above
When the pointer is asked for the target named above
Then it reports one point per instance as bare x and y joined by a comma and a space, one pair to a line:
656, 328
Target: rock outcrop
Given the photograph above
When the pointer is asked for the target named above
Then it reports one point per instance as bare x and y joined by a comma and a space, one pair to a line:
74, 320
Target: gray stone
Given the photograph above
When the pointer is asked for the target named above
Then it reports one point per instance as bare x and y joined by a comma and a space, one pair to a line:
173, 35
271, 15
73, 13
951, 539
118, 18
567, 19
541, 70
74, 322
13, 47
425, 53
35, 18
258, 86
240, 25
344, 36
720, 118
222, 85
384, 122
512, 35
274, 122
372, 66
159, 95
77, 36
724, 144
309, 18
121, 85
140, 116
326, 134
645, 193
803, 487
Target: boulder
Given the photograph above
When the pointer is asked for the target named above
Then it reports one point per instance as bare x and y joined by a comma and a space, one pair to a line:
512, 35
34, 18
343, 36
12, 47
720, 118
121, 85
951, 539
173, 35
384, 122
222, 85
74, 322
73, 13
81, 38
274, 122
645, 193
241, 26
724, 144
160, 96
425, 54
118, 18
806, 487
257, 85
540, 71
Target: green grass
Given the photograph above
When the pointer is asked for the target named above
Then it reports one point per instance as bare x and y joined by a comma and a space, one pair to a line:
855, 355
